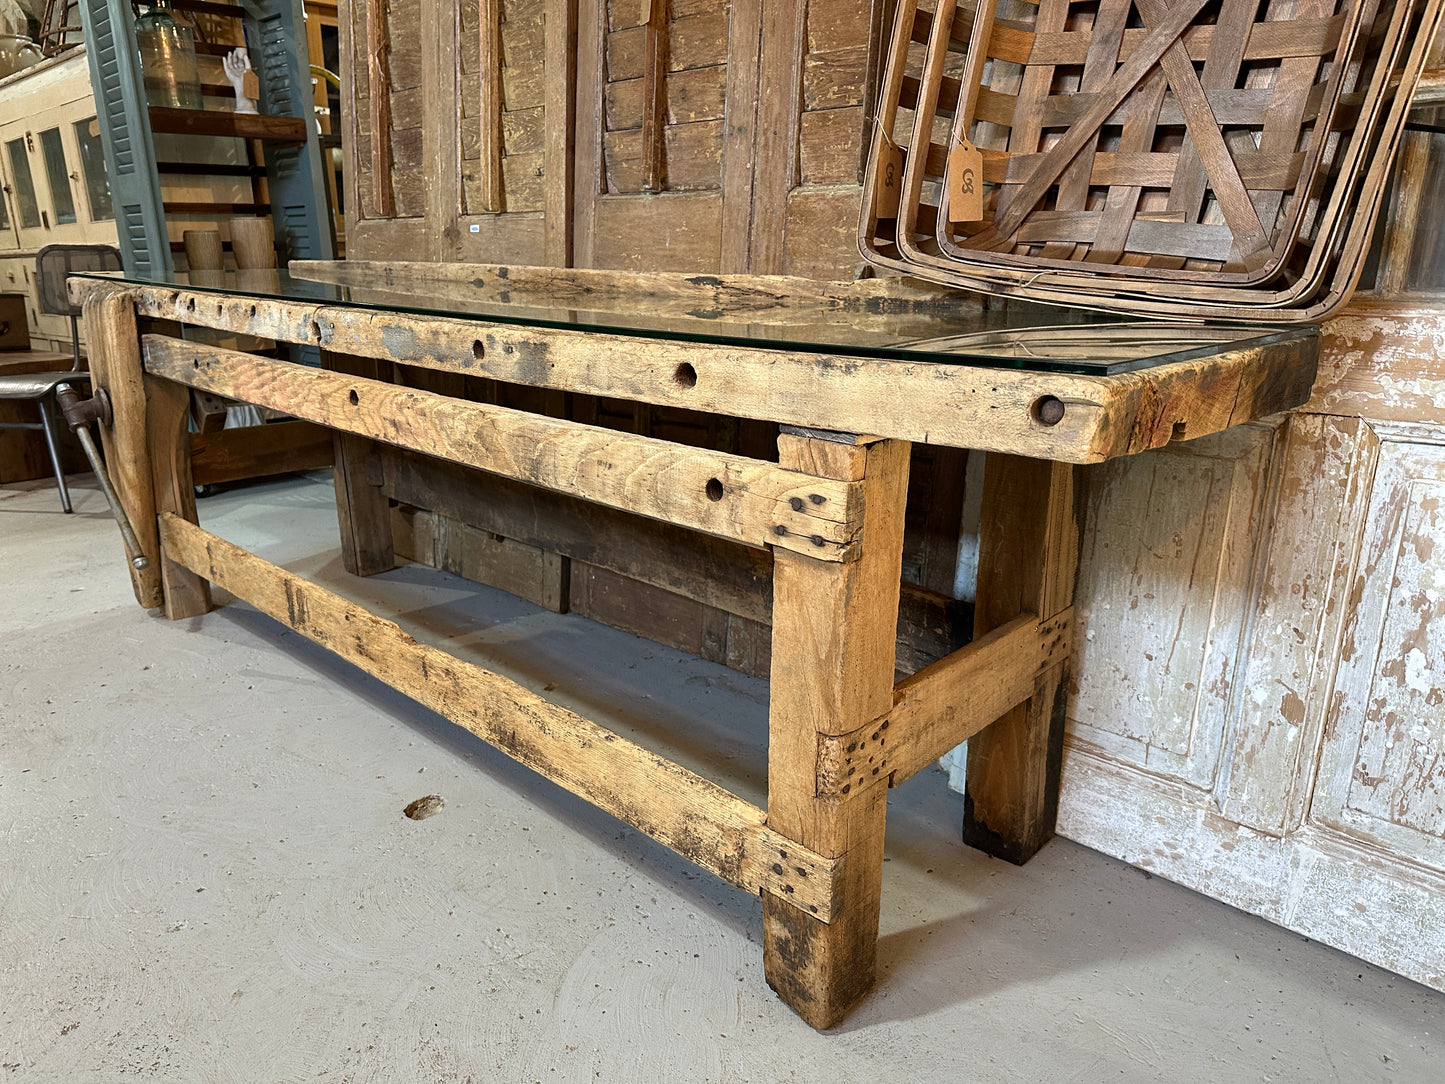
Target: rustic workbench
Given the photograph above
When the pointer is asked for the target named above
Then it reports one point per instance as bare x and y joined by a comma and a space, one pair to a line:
853, 373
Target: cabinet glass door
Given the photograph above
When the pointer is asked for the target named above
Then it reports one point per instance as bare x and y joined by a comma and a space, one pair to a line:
92, 169
57, 176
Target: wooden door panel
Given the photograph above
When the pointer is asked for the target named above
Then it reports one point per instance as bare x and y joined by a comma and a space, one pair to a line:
1382, 772
652, 142
389, 106
816, 94
1322, 487
503, 122
1165, 581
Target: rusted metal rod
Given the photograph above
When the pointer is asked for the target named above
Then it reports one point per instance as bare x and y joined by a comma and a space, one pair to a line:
79, 413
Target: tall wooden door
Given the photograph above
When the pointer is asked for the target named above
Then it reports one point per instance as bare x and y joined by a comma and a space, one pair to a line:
717, 136
457, 118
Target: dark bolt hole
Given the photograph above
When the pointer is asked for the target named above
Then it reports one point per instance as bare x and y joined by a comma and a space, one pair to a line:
686, 376
714, 490
354, 397
1047, 410
478, 350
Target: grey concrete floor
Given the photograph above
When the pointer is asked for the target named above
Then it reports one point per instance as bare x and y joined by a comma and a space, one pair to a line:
205, 873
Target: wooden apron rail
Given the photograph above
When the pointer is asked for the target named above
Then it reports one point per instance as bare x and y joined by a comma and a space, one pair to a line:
746, 500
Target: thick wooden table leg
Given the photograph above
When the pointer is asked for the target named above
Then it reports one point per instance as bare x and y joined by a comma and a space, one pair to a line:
168, 412
363, 512
834, 630
1028, 556
115, 367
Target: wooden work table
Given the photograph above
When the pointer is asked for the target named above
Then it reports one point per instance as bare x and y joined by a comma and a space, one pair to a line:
852, 372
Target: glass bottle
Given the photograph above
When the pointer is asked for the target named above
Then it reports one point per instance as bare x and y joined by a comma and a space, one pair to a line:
168, 59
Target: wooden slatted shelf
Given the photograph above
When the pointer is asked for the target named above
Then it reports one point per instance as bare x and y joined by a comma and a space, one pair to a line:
211, 169
181, 207
239, 125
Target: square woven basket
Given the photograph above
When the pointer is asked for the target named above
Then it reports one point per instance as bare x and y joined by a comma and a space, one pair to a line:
1213, 159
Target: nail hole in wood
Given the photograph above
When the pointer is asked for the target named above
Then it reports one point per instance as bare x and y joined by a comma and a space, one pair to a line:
479, 351
1047, 410
1177, 432
686, 376
354, 397
191, 305
714, 489
253, 312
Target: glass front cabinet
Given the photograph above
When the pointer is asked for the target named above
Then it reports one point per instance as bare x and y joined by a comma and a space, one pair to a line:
53, 184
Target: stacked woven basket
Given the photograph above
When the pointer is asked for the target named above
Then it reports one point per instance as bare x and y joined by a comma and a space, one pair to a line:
1193, 159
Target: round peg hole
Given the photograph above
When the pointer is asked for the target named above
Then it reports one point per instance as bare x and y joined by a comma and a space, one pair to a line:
479, 350
1047, 410
353, 397
685, 376
714, 490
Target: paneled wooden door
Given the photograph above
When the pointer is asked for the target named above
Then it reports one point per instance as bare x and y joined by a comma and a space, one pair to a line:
459, 121
717, 136
1257, 712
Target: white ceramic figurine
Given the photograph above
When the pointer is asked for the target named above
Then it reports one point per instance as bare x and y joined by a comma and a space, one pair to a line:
237, 63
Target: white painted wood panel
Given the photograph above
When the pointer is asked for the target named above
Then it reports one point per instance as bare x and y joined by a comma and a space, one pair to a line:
1166, 575
1382, 774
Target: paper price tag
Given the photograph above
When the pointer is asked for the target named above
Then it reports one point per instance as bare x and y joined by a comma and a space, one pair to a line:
888, 192
965, 183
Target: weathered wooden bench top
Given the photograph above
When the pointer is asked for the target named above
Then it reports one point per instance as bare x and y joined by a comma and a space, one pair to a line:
881, 356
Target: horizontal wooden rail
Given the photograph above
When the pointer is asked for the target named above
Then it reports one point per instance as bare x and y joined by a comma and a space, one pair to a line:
239, 125
257, 451
680, 809
746, 500
180, 207
944, 704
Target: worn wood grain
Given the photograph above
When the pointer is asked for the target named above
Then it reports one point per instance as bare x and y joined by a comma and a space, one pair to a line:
1166, 572
1028, 557
1383, 360
683, 811
834, 628
944, 704
530, 572
256, 451
167, 407
362, 510
746, 500
958, 405
115, 367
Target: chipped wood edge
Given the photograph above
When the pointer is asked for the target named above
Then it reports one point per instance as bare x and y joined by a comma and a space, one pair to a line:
683, 811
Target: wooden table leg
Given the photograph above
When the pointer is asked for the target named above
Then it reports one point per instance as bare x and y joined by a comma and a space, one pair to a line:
115, 367
168, 414
1028, 557
834, 630
363, 512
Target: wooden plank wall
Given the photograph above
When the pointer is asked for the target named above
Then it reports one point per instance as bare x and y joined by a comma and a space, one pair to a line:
685, 135
694, 135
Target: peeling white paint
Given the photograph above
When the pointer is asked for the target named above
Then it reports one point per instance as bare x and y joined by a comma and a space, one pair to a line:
1417, 671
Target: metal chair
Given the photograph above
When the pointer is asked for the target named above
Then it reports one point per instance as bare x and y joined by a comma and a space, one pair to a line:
53, 265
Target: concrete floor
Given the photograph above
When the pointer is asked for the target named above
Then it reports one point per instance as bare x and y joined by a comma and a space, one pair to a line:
205, 874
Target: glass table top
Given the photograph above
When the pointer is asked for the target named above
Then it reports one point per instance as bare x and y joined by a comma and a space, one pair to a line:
957, 329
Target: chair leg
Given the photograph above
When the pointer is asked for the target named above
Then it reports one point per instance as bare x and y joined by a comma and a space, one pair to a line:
52, 444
